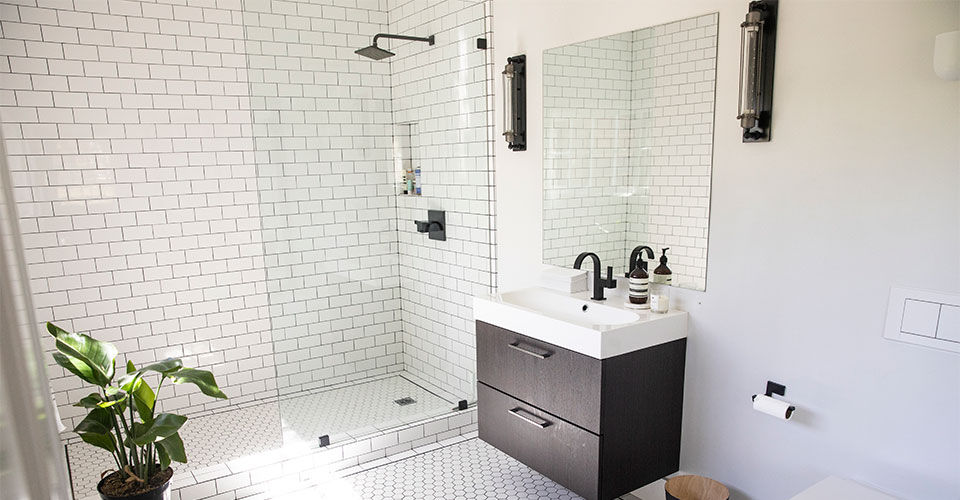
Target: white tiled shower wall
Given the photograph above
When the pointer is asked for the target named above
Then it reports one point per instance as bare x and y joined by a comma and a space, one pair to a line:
322, 132
446, 91
186, 174
628, 128
129, 132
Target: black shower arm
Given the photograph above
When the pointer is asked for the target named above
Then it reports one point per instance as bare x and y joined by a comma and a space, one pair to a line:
429, 39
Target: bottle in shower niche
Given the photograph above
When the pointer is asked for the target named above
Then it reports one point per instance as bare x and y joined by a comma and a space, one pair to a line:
408, 178
416, 181
660, 282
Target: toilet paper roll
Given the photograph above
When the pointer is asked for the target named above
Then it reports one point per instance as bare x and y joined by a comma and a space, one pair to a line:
772, 407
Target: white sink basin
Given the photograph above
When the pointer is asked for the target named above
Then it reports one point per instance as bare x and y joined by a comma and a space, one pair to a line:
568, 308
573, 321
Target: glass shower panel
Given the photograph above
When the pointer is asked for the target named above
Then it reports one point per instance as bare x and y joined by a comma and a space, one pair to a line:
371, 322
323, 141
445, 91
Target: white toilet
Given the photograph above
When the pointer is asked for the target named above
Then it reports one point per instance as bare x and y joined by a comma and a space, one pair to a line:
833, 488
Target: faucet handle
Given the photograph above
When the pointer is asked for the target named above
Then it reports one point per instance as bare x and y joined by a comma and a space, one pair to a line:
610, 282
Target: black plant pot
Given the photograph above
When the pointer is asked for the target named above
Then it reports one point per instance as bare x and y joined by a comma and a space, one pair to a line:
161, 492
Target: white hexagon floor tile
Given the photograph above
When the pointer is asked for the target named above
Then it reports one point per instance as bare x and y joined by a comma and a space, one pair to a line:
211, 440
471, 469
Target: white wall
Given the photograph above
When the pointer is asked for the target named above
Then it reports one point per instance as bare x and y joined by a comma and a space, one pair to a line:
859, 190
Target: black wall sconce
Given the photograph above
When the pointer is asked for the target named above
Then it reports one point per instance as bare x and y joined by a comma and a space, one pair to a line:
515, 103
435, 225
758, 42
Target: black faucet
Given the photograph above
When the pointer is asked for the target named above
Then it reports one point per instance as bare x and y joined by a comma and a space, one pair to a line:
638, 253
598, 283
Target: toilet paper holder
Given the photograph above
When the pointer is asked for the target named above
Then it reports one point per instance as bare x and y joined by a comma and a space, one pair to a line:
773, 388
780, 390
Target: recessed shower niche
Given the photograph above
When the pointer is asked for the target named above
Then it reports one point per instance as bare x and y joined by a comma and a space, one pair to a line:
628, 146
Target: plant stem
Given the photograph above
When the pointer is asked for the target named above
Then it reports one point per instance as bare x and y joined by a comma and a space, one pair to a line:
150, 461
135, 460
121, 451
153, 408
117, 460
142, 469
156, 396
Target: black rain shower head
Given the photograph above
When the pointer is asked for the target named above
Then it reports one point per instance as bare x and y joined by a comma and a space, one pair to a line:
376, 53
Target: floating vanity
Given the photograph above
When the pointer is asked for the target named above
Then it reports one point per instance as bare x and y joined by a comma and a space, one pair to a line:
588, 393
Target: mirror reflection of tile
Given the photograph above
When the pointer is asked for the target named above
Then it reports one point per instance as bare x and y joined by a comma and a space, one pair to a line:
628, 146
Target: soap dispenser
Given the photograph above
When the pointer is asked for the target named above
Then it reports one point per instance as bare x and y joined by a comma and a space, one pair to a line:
663, 274
639, 279
660, 283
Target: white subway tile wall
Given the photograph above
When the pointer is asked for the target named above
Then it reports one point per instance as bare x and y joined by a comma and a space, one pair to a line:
671, 147
586, 133
628, 131
130, 138
216, 181
323, 141
446, 90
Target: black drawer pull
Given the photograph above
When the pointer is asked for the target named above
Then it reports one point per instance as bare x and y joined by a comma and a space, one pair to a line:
543, 355
528, 417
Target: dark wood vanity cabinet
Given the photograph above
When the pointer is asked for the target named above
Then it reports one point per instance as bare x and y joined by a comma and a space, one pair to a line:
601, 428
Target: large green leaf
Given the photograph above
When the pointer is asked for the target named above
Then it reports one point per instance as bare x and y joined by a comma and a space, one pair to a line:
98, 421
143, 398
132, 380
91, 400
163, 426
76, 367
201, 378
173, 446
99, 357
164, 367
104, 441
164, 457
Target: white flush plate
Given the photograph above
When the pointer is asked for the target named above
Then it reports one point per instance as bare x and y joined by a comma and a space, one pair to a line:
924, 317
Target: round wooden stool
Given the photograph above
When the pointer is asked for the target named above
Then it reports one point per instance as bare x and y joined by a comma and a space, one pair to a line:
695, 488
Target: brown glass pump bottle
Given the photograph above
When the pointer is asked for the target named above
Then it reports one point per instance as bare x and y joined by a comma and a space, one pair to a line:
639, 285
662, 274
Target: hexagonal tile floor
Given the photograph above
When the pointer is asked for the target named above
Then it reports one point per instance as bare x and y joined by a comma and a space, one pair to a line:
471, 470
211, 440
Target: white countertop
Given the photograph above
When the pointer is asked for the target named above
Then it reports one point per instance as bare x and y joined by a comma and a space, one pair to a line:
602, 330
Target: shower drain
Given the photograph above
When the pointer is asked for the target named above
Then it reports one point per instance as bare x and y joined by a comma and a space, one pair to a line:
405, 401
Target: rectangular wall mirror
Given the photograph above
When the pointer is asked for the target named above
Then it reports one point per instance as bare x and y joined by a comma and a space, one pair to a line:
628, 146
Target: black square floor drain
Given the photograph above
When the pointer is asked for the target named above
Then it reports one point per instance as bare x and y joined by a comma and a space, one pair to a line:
405, 401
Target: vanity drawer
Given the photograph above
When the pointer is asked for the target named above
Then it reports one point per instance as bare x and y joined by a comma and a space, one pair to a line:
557, 449
558, 380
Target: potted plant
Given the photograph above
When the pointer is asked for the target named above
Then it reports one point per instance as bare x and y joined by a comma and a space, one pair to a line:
123, 418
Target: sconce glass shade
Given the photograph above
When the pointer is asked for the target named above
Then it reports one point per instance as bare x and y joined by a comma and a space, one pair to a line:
515, 103
508, 106
751, 43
